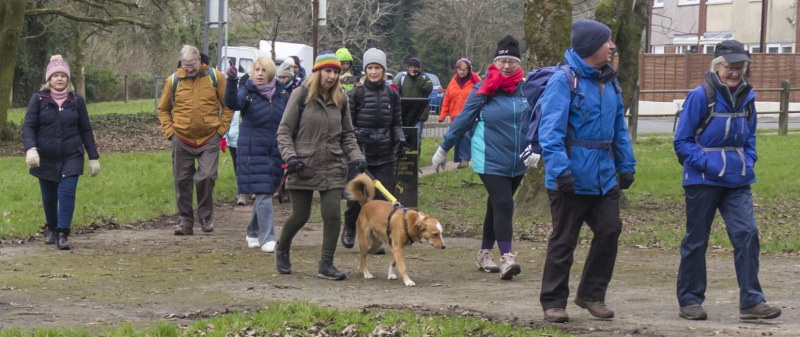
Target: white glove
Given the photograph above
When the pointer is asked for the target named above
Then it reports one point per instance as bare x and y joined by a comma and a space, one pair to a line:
94, 167
32, 157
530, 158
439, 158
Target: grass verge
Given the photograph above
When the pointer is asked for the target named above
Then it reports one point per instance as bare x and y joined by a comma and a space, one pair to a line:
133, 106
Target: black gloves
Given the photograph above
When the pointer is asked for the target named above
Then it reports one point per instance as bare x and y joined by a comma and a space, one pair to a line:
361, 165
293, 165
625, 180
565, 184
400, 149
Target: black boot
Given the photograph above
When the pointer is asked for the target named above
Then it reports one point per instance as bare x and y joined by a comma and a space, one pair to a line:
328, 271
50, 235
62, 244
282, 262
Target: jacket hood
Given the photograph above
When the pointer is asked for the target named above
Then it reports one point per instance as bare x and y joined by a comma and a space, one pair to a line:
344, 55
583, 69
740, 97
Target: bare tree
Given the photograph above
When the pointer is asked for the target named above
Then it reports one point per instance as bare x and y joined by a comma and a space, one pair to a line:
355, 23
273, 20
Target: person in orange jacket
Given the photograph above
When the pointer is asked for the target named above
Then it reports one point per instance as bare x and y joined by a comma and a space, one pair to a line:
455, 96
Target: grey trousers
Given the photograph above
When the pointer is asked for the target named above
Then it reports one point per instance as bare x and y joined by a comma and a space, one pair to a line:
262, 221
186, 175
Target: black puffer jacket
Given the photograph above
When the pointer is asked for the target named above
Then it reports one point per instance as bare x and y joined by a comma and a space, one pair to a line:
375, 109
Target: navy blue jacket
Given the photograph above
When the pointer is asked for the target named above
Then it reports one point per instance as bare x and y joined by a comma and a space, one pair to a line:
258, 160
61, 137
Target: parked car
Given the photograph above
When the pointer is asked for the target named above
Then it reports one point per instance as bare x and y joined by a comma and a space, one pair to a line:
437, 94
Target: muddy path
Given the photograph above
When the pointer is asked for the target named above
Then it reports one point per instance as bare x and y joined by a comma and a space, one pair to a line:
142, 274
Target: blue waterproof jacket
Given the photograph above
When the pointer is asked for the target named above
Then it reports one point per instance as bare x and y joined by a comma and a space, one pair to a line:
498, 139
258, 160
233, 132
62, 136
595, 114
725, 152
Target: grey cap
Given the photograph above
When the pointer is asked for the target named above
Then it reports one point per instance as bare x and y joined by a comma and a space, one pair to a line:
285, 70
374, 55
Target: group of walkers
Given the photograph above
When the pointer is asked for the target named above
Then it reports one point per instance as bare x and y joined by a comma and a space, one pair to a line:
312, 129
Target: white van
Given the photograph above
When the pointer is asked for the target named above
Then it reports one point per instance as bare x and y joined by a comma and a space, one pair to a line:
284, 50
242, 57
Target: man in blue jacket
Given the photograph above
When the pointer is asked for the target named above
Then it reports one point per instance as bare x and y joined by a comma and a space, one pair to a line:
585, 143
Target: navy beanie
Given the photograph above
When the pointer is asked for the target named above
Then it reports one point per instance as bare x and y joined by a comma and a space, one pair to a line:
414, 62
588, 36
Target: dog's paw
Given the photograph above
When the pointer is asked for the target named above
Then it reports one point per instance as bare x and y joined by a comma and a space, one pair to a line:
368, 276
410, 283
392, 276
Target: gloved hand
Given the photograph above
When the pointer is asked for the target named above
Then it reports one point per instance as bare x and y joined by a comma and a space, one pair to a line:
625, 180
231, 71
439, 158
530, 158
400, 149
32, 157
361, 165
223, 144
94, 167
566, 184
294, 165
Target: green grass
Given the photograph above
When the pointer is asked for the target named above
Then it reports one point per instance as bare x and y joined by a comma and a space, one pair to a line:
302, 319
130, 187
102, 108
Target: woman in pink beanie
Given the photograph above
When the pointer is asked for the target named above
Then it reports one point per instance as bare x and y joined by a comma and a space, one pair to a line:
56, 134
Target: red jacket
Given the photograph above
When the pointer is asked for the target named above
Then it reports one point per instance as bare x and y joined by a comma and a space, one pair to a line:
455, 96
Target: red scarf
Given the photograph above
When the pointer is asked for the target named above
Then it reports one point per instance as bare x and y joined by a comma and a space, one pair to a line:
496, 80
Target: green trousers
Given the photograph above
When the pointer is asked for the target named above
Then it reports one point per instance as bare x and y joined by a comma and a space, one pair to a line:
331, 209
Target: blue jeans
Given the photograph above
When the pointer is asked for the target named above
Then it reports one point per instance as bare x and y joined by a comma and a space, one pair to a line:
58, 200
736, 207
463, 150
419, 126
262, 220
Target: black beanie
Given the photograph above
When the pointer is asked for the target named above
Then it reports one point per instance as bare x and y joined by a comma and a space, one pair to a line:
507, 47
414, 62
588, 36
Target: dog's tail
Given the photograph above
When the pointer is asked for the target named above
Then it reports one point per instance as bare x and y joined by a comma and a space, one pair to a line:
361, 189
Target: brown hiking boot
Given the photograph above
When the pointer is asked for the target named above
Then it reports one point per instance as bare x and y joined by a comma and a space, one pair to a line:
694, 312
183, 230
556, 315
463, 164
597, 309
207, 226
760, 311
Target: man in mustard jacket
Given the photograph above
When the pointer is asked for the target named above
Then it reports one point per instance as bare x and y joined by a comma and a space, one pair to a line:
194, 117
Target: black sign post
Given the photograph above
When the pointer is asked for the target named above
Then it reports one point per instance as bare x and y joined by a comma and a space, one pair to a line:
406, 170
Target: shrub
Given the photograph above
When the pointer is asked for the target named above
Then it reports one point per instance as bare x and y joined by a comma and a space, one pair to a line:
102, 85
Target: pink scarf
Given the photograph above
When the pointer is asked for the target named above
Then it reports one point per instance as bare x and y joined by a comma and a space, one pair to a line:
59, 96
495, 80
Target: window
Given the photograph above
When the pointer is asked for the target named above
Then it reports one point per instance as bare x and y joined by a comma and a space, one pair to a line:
753, 48
657, 49
779, 48
708, 49
658, 3
683, 49
688, 2
245, 65
786, 49
717, 2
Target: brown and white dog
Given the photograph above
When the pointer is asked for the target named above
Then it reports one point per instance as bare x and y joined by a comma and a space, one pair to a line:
404, 228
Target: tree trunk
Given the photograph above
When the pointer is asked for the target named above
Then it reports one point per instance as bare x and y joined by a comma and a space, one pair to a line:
77, 69
12, 15
547, 34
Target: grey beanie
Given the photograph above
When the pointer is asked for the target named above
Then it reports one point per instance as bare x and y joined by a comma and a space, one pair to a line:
374, 55
588, 36
285, 70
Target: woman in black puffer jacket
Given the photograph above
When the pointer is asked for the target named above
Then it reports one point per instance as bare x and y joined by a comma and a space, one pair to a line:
375, 109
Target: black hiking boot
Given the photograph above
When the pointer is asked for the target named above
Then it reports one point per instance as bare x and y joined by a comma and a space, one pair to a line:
282, 262
62, 244
329, 272
50, 235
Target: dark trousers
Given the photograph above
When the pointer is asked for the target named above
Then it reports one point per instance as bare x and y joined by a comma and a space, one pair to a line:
58, 201
497, 224
186, 175
570, 211
232, 150
385, 174
331, 209
736, 207
463, 148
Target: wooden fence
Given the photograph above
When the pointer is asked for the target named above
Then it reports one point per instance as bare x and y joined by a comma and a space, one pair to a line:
681, 72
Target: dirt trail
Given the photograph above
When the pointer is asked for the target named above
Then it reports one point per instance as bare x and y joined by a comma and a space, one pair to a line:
145, 274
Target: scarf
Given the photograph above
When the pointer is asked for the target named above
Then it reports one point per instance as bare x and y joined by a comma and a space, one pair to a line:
496, 80
461, 81
266, 89
59, 96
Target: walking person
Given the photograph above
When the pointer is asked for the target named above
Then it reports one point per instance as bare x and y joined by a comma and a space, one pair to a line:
494, 109
194, 117
56, 133
377, 123
316, 139
261, 102
299, 72
286, 75
454, 98
715, 140
415, 84
585, 144
348, 81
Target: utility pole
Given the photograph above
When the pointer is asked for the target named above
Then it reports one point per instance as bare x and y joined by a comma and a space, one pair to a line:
314, 23
763, 43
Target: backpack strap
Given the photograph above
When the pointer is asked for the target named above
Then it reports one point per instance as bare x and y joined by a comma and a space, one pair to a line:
175, 80
711, 102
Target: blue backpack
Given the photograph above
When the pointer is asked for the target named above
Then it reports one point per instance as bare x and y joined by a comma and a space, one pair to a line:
535, 82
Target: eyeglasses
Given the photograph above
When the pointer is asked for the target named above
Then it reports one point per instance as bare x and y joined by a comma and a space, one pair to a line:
739, 70
189, 65
508, 62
